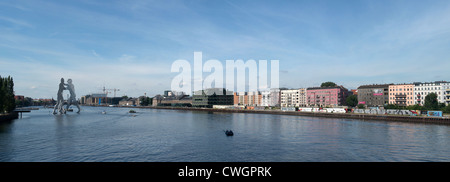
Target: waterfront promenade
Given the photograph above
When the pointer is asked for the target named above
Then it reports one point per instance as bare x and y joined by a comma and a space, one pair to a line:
397, 118
377, 117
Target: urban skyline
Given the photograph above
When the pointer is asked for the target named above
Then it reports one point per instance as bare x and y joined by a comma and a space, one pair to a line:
131, 45
327, 95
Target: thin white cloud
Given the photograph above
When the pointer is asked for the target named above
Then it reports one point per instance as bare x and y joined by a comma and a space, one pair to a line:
16, 22
95, 54
14, 5
126, 58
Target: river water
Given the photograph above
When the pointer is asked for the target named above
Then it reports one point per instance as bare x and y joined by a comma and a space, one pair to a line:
157, 135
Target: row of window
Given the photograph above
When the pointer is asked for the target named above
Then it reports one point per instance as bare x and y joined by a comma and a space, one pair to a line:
291, 102
439, 98
338, 91
426, 93
399, 89
322, 99
393, 98
406, 102
295, 98
429, 88
409, 93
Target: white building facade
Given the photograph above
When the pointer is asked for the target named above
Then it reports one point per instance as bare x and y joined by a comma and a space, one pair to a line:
293, 98
270, 98
446, 88
243, 99
422, 89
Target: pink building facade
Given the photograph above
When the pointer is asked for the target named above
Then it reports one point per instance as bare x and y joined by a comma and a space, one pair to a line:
402, 95
326, 96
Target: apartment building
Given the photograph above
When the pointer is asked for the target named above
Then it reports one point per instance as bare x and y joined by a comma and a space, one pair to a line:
247, 98
373, 95
326, 96
401, 94
271, 97
446, 88
254, 98
293, 98
440, 88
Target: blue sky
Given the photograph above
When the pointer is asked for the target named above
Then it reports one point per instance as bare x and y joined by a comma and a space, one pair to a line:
131, 45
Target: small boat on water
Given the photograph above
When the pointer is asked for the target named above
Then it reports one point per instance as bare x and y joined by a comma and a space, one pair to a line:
229, 133
132, 111
103, 112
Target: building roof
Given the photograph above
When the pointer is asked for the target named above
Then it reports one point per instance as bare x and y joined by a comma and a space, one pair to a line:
418, 83
374, 86
320, 88
212, 91
97, 95
129, 99
399, 84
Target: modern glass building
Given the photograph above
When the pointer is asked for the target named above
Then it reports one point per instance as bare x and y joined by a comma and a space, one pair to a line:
213, 96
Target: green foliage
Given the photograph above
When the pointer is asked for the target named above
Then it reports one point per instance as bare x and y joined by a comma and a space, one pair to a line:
352, 100
25, 103
7, 102
276, 108
146, 101
361, 106
446, 109
2, 96
328, 84
392, 106
415, 107
431, 102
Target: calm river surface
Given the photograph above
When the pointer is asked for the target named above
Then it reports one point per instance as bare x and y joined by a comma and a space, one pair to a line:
157, 135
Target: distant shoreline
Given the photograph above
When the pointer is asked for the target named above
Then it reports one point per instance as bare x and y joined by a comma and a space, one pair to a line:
406, 119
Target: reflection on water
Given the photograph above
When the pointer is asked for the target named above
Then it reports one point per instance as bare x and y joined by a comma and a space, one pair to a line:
167, 135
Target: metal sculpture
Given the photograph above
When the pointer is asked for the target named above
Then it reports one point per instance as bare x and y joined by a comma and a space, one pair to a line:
59, 107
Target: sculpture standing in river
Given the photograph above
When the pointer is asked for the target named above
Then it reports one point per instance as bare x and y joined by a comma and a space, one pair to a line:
59, 107
60, 99
72, 99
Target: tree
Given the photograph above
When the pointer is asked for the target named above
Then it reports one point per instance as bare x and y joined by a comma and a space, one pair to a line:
352, 100
7, 101
146, 101
446, 109
328, 84
415, 107
10, 95
431, 102
361, 106
392, 106
27, 101
2, 96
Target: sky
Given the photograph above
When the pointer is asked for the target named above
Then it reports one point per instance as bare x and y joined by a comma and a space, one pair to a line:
131, 45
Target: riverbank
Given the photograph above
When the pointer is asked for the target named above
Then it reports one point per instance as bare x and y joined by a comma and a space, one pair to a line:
8, 117
408, 119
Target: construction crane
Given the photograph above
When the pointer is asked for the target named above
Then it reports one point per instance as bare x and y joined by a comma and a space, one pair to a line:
106, 91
